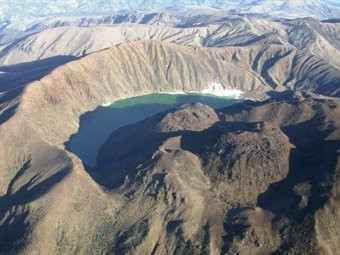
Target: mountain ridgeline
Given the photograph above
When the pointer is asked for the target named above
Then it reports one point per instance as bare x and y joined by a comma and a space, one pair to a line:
79, 36
20, 15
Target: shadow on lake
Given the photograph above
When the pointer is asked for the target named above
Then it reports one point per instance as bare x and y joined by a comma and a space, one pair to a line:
96, 126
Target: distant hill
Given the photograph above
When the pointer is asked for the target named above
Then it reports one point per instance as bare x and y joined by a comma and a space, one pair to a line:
18, 14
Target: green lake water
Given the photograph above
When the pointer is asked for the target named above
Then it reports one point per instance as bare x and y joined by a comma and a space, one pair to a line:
96, 126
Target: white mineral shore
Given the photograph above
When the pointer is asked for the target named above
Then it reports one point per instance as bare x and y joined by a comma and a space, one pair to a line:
217, 89
214, 88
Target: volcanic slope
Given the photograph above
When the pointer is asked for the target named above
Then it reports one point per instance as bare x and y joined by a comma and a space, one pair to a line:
250, 178
246, 179
143, 67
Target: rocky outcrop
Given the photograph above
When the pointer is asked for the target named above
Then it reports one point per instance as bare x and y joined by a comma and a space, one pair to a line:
252, 172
